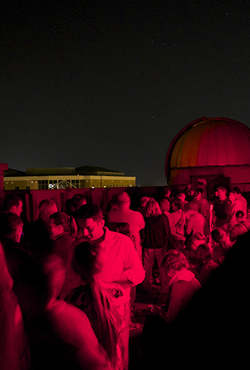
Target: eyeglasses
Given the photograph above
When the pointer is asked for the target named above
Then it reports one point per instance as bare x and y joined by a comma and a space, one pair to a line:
20, 232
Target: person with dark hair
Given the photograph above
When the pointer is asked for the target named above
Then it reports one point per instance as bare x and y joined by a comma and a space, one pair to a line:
206, 264
38, 232
222, 209
78, 200
241, 218
122, 267
64, 230
221, 245
60, 335
13, 204
11, 230
156, 242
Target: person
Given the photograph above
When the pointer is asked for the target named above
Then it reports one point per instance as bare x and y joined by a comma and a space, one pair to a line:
60, 335
238, 203
63, 229
78, 201
121, 264
11, 230
206, 264
177, 221
201, 203
189, 192
143, 205
38, 232
191, 250
195, 221
211, 329
183, 286
124, 228
13, 204
241, 218
237, 230
220, 246
14, 349
222, 209
156, 242
125, 214
96, 299
165, 205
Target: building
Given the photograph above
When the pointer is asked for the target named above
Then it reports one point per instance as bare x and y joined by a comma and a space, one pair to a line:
64, 177
210, 151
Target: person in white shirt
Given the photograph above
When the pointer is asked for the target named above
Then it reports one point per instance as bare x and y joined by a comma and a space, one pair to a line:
122, 267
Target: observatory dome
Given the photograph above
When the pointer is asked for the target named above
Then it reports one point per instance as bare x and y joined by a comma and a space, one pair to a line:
207, 143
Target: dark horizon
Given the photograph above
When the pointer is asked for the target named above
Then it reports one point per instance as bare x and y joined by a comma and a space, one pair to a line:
110, 84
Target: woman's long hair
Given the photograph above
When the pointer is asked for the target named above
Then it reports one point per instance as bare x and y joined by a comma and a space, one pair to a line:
46, 208
153, 208
87, 263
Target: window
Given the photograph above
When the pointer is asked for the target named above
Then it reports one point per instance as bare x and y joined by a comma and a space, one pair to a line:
42, 184
75, 184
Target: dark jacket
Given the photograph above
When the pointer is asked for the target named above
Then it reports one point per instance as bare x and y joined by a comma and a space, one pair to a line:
62, 246
157, 232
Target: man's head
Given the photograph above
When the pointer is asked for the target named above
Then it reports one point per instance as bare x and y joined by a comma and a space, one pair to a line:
222, 192
90, 220
123, 200
14, 205
78, 200
165, 205
11, 226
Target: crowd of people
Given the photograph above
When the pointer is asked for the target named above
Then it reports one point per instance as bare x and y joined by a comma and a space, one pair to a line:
68, 279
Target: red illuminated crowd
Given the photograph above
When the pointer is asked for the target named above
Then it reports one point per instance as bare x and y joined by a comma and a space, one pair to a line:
68, 279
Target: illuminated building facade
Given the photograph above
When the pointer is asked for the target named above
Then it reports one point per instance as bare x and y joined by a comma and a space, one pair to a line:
212, 151
65, 177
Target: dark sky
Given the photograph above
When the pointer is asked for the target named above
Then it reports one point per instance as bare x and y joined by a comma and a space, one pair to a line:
110, 83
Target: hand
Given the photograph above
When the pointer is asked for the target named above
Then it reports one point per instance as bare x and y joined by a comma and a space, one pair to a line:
155, 310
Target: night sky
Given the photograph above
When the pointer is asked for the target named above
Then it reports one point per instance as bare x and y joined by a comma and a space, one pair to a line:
110, 83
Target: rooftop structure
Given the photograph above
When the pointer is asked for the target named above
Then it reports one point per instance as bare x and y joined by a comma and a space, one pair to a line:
63, 177
214, 150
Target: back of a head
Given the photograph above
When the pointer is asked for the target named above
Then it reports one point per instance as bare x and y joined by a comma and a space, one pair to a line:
124, 200
218, 234
175, 260
9, 222
79, 200
89, 211
46, 208
236, 190
153, 208
86, 261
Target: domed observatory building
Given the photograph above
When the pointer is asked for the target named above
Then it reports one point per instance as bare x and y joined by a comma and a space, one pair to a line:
211, 151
